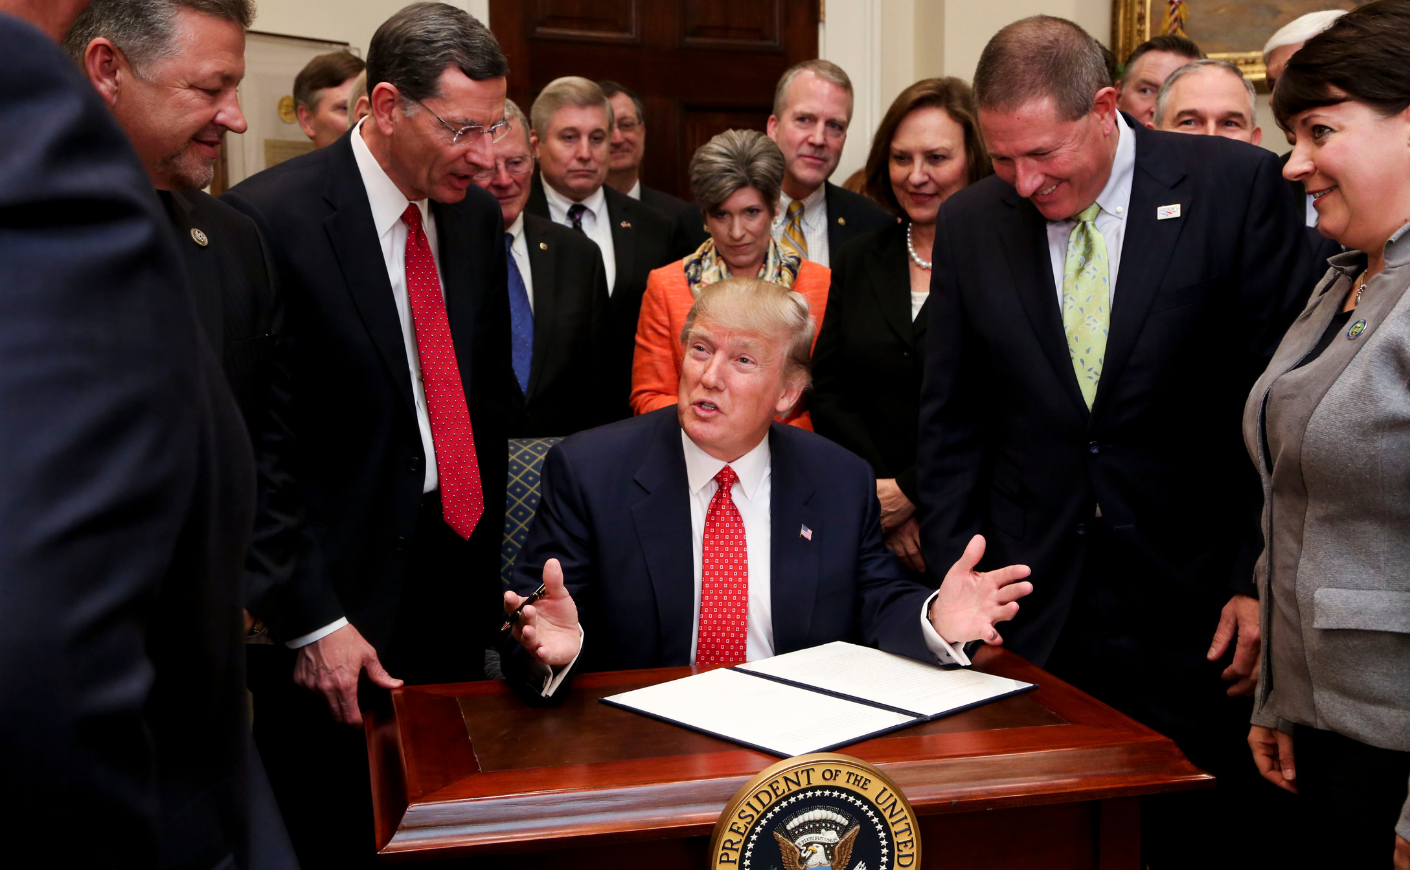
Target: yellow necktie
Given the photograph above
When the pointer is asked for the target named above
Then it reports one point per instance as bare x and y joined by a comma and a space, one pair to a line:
793, 230
1086, 300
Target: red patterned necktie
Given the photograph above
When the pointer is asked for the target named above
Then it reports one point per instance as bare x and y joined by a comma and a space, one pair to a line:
724, 581
462, 501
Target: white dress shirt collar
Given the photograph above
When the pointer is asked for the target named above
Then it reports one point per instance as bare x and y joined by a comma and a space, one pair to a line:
1115, 198
814, 206
386, 199
558, 204
635, 192
701, 467
516, 229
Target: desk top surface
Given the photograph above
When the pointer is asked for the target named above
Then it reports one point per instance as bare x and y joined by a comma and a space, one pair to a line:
463, 768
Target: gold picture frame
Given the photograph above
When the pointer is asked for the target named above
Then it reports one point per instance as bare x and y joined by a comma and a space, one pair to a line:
1135, 21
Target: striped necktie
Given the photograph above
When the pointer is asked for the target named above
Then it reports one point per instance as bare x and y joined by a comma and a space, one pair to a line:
793, 230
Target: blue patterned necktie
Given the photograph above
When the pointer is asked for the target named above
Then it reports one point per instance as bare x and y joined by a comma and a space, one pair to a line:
575, 214
521, 320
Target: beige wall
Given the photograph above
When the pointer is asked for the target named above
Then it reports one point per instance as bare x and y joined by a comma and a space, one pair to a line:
351, 21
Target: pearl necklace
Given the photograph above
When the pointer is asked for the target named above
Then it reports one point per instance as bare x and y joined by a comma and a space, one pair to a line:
924, 264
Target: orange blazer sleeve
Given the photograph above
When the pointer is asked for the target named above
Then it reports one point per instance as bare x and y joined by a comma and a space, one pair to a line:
656, 364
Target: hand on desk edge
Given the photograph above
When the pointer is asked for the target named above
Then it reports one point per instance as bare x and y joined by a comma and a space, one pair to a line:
548, 629
971, 603
330, 667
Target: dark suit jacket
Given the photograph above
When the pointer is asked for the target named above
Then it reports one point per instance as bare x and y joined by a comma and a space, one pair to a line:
848, 215
359, 448
567, 377
126, 499
236, 289
687, 236
616, 513
1007, 445
642, 240
870, 356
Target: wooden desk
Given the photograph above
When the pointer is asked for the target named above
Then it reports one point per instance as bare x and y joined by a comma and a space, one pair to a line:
1045, 779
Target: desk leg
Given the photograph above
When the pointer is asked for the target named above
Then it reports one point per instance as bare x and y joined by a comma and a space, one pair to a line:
1119, 834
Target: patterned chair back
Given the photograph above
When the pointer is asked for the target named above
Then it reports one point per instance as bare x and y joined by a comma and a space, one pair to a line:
521, 498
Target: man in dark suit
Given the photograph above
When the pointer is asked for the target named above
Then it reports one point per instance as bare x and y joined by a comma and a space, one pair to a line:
624, 168
1085, 420
558, 302
572, 124
393, 262
774, 516
126, 495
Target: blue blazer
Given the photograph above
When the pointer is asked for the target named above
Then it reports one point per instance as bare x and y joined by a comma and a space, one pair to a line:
616, 513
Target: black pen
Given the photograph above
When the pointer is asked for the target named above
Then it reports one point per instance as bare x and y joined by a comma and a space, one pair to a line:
514, 617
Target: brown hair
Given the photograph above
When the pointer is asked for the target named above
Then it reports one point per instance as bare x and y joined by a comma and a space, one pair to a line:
1362, 57
144, 30
950, 94
732, 161
1169, 43
325, 71
1040, 57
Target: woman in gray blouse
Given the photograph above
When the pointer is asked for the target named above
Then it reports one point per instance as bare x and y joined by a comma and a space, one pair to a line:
1328, 426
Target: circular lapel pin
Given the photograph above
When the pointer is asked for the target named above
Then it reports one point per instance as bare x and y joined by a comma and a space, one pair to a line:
543, 246
842, 222
1356, 329
199, 237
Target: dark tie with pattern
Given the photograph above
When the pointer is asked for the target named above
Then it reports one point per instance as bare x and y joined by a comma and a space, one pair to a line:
575, 214
521, 320
462, 500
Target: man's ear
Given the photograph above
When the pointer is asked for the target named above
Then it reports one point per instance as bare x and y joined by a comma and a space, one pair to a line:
107, 68
305, 120
792, 393
534, 144
384, 101
1257, 136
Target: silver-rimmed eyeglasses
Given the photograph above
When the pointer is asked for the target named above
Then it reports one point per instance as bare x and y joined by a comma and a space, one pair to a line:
496, 131
520, 165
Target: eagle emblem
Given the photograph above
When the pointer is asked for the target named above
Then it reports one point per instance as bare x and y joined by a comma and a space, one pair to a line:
818, 839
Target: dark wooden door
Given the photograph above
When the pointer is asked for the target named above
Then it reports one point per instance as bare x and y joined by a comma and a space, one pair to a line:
700, 66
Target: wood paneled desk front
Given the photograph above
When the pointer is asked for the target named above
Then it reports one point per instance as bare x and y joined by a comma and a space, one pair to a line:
466, 771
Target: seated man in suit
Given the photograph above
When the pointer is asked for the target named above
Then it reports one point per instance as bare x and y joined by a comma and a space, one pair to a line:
572, 127
557, 303
708, 533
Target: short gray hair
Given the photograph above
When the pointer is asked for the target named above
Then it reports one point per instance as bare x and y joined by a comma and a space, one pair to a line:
413, 48
515, 116
1162, 97
823, 69
759, 308
569, 91
144, 30
1039, 57
732, 161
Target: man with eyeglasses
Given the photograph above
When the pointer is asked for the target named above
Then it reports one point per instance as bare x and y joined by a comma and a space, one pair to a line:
624, 161
571, 129
557, 291
393, 262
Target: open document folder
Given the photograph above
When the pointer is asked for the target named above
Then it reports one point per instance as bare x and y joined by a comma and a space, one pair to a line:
816, 699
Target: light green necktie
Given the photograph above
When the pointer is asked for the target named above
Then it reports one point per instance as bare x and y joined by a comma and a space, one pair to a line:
1086, 300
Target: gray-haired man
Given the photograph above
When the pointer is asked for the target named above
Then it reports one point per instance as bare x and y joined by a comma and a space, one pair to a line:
1208, 98
394, 263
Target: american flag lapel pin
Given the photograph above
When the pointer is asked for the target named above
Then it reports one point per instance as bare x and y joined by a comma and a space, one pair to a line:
805, 533
1166, 212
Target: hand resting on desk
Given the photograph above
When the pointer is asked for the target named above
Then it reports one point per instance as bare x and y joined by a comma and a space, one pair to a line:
968, 607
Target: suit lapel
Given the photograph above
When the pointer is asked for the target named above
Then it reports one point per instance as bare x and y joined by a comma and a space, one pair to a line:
793, 562
620, 214
662, 520
538, 201
888, 273
354, 237
543, 263
1025, 241
202, 269
1145, 252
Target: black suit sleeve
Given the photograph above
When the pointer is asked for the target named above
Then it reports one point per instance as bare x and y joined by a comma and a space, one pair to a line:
951, 444
836, 415
98, 438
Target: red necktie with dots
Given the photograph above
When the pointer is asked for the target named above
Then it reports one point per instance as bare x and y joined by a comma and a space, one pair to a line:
462, 501
724, 581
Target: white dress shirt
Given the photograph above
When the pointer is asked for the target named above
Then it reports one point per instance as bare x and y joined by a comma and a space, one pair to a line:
388, 204
519, 250
1115, 202
597, 223
750, 494
635, 192
814, 223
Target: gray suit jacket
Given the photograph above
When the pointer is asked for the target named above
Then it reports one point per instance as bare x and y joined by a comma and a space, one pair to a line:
1331, 440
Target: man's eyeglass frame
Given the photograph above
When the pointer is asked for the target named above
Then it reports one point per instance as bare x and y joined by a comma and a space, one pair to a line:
496, 131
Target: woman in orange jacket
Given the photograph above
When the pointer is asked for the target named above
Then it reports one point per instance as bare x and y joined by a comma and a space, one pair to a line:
735, 178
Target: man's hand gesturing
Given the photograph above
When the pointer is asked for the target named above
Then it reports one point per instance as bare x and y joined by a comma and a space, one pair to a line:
972, 602
548, 628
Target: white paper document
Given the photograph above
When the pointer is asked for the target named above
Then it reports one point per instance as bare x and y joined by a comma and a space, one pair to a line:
751, 704
883, 678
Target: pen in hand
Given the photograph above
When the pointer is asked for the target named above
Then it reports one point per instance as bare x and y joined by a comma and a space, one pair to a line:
514, 617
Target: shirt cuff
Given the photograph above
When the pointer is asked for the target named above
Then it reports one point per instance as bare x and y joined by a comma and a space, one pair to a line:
553, 677
943, 652
321, 633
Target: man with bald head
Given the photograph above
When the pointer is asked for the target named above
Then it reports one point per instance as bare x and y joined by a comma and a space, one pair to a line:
1082, 393
1209, 98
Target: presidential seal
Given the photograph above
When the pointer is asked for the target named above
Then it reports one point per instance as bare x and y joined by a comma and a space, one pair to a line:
817, 812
